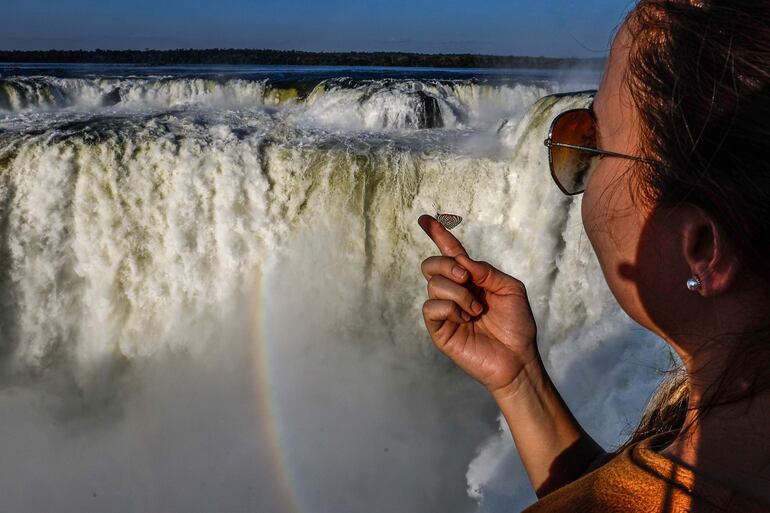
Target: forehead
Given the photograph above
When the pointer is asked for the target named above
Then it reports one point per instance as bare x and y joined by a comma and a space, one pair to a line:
614, 72
613, 105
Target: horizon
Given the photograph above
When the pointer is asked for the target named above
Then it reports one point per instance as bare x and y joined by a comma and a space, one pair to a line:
277, 50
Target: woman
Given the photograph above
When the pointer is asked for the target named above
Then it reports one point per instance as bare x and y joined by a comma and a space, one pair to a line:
677, 209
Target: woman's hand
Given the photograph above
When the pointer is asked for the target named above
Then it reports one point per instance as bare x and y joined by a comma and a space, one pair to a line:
477, 315
496, 345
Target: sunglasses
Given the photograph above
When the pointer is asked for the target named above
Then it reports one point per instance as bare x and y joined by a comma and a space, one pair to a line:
572, 150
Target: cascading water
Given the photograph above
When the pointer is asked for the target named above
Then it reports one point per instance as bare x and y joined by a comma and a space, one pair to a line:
211, 293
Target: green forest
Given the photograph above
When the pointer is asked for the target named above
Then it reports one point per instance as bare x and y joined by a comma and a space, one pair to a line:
281, 57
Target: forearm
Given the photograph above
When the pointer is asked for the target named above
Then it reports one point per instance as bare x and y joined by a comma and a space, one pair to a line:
553, 446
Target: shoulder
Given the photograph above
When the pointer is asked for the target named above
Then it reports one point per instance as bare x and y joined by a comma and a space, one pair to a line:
639, 480
618, 485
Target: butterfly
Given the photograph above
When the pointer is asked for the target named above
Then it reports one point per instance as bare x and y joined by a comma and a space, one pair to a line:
449, 220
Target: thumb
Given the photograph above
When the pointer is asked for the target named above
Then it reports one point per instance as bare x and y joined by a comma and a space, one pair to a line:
490, 278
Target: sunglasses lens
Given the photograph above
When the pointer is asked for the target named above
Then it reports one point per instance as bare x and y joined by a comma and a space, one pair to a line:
571, 167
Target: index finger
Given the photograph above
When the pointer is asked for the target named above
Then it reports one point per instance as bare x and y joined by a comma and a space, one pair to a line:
445, 241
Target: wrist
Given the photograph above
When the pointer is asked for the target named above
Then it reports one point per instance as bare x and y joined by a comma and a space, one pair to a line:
531, 378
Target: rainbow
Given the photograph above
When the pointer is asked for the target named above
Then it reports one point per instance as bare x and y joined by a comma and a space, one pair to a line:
267, 408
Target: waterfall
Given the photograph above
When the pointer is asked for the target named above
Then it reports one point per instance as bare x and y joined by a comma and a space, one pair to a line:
211, 292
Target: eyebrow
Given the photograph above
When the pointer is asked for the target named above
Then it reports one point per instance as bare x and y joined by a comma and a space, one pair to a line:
596, 124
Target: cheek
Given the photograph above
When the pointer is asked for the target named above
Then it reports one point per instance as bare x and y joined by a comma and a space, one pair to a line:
613, 224
611, 218
596, 210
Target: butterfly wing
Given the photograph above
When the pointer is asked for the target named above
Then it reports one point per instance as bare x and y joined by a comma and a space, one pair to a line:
449, 220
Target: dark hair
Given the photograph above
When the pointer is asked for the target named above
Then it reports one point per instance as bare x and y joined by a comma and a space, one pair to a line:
699, 76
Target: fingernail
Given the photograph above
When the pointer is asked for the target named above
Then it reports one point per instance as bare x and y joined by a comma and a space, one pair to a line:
465, 316
459, 271
476, 307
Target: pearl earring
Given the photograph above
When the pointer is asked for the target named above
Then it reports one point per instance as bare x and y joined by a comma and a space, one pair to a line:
694, 284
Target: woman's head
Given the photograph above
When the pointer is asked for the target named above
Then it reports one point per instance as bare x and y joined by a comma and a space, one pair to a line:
686, 87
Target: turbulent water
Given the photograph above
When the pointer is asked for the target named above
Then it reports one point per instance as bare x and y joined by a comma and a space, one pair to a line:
210, 291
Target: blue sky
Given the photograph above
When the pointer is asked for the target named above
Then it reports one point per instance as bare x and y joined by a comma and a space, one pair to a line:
532, 27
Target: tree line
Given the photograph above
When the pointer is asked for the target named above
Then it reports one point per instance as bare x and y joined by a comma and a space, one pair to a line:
292, 57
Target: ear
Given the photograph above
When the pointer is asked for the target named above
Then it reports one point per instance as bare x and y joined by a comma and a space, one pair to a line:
708, 252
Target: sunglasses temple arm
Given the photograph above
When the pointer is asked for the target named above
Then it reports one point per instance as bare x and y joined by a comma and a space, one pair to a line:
549, 143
